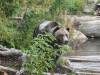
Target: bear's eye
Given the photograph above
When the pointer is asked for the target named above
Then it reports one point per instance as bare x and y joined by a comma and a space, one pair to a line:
67, 29
66, 35
61, 35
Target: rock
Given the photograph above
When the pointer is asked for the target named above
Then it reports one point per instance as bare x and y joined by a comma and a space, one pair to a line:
77, 39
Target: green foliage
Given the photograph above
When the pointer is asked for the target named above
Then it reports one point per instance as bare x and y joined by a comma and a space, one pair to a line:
30, 20
41, 51
7, 31
42, 55
98, 1
72, 6
9, 6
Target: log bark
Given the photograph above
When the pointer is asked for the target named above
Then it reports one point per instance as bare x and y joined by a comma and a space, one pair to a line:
91, 28
13, 57
7, 52
84, 58
84, 64
52, 74
86, 18
7, 69
90, 25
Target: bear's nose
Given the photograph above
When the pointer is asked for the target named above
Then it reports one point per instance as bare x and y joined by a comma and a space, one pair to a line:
66, 42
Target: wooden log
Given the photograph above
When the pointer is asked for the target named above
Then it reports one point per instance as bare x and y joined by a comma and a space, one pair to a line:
89, 25
11, 70
83, 19
2, 68
13, 57
85, 70
87, 73
10, 52
84, 64
6, 51
84, 58
53, 74
91, 28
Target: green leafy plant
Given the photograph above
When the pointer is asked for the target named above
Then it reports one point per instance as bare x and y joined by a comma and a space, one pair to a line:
72, 6
43, 54
9, 6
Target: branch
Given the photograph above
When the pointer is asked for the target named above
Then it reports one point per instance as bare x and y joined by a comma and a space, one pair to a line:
16, 18
2, 68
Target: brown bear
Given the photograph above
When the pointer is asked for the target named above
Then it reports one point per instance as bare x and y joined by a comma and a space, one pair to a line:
61, 34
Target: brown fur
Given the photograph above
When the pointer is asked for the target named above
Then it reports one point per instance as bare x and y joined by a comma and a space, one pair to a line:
59, 34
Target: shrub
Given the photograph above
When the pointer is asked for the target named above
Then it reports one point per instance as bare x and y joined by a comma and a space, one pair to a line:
72, 6
41, 51
43, 54
9, 7
7, 31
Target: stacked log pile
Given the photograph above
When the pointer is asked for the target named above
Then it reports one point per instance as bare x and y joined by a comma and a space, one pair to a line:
10, 61
83, 65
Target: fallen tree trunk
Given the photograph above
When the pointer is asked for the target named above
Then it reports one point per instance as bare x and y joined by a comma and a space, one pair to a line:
85, 65
91, 28
11, 52
87, 18
90, 25
84, 58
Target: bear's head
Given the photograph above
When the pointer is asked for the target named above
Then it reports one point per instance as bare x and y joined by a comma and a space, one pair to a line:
62, 35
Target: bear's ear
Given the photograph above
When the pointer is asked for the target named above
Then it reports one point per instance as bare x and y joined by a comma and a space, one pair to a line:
67, 29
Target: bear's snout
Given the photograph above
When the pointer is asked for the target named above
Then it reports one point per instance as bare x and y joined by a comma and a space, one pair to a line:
65, 40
